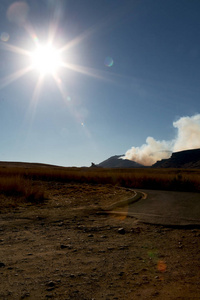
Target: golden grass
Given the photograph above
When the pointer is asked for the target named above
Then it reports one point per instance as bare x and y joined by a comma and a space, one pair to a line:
17, 187
146, 178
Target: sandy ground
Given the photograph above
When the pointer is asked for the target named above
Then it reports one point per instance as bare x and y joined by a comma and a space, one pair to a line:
64, 249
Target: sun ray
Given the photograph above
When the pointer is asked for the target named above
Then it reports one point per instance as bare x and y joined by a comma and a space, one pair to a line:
30, 114
14, 76
60, 86
53, 26
37, 90
104, 23
14, 49
76, 41
88, 71
33, 103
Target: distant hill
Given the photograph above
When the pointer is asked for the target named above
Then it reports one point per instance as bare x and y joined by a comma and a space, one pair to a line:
117, 162
183, 159
13, 164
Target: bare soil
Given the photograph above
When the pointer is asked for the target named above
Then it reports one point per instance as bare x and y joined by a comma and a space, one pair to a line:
65, 249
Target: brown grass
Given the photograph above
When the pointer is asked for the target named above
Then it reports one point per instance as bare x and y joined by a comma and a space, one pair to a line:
21, 189
161, 179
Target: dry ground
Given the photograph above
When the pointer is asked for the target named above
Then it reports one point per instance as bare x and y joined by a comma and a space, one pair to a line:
63, 249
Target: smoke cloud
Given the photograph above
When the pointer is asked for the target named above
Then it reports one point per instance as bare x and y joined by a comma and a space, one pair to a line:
188, 137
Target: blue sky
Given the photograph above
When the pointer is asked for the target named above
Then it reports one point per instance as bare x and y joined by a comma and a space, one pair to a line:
151, 82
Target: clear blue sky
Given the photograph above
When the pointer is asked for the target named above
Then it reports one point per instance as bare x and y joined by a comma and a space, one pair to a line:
152, 80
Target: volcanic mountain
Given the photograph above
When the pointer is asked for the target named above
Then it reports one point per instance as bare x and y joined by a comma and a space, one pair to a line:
117, 162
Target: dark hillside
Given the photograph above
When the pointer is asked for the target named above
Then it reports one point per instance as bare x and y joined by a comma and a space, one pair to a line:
183, 159
117, 162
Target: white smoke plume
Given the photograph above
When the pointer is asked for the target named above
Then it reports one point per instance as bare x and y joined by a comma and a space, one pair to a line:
188, 137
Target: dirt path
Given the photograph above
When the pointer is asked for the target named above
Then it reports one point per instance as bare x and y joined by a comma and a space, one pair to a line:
62, 249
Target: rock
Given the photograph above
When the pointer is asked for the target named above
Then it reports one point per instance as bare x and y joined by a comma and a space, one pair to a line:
2, 265
51, 283
121, 231
49, 296
103, 236
49, 289
155, 294
65, 246
123, 247
61, 224
25, 295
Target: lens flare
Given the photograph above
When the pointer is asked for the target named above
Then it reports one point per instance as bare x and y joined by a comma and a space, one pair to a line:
161, 266
5, 36
18, 12
108, 61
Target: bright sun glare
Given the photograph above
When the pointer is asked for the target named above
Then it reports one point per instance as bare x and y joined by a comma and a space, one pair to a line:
46, 59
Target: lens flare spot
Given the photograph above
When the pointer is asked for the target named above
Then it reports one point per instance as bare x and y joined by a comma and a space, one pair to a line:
5, 36
161, 266
119, 213
35, 38
108, 61
18, 12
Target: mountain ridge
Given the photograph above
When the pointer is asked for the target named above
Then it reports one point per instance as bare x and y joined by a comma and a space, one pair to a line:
187, 159
117, 162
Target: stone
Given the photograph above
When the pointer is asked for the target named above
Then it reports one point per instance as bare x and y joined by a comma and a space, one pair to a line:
65, 246
25, 295
2, 265
49, 296
121, 231
103, 236
49, 289
50, 283
61, 224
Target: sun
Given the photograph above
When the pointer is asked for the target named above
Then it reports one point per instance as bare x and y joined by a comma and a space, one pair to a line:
46, 59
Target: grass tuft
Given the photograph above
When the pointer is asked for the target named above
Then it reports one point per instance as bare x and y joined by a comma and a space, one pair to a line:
20, 188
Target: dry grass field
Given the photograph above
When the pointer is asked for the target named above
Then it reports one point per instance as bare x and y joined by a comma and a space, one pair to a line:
54, 244
19, 181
